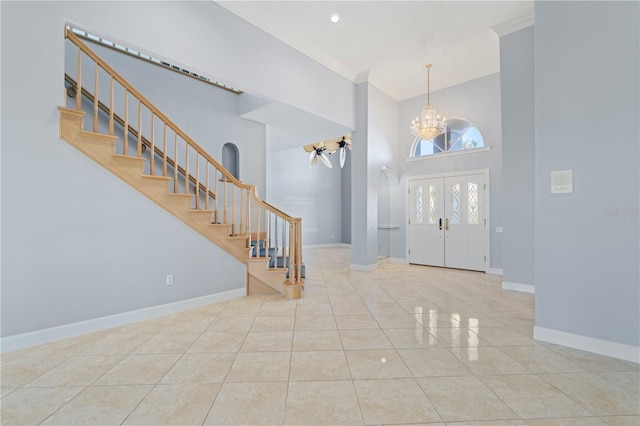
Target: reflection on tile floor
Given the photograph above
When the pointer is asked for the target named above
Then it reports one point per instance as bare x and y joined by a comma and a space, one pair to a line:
396, 345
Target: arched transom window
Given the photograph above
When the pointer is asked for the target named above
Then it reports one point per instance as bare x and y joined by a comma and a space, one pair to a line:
461, 134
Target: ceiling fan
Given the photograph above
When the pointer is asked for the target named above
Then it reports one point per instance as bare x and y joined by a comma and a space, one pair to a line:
321, 149
318, 150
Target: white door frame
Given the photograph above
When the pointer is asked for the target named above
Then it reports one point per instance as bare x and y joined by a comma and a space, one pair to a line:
487, 207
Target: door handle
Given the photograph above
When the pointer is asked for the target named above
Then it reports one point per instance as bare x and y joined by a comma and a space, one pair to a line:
446, 224
440, 224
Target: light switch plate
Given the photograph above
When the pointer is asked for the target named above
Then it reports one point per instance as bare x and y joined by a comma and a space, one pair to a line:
562, 182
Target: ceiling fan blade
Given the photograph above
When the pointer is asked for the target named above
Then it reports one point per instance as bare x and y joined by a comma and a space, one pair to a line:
332, 145
325, 160
313, 159
343, 156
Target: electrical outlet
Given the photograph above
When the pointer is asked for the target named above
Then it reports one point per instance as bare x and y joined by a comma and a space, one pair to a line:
498, 229
169, 279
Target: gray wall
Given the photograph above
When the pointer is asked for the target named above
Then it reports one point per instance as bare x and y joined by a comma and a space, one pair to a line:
363, 253
518, 142
314, 194
479, 102
587, 109
346, 200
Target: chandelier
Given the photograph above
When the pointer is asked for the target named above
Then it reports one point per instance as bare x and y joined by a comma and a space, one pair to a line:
429, 124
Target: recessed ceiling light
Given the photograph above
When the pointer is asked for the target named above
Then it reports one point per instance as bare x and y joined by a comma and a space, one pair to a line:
335, 18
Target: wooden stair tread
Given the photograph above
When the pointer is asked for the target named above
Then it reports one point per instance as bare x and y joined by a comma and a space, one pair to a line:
128, 158
172, 194
70, 111
98, 136
154, 177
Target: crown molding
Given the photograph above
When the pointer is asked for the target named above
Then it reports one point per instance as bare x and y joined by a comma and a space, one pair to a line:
512, 26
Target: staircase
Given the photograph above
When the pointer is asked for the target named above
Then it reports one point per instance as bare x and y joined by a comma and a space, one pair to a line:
136, 142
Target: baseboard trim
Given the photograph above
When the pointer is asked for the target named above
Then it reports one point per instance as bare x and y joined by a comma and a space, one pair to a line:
495, 271
364, 268
400, 260
525, 288
46, 335
332, 245
589, 344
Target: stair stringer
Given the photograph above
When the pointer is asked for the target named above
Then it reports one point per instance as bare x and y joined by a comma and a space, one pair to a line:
101, 149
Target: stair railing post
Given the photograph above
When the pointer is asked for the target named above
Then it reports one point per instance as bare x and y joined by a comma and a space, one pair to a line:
248, 220
175, 164
225, 218
233, 210
299, 251
206, 200
79, 83
152, 156
139, 128
241, 212
186, 167
125, 144
111, 124
291, 253
197, 190
216, 217
164, 150
95, 100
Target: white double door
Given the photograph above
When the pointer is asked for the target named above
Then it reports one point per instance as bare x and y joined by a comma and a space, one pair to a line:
447, 223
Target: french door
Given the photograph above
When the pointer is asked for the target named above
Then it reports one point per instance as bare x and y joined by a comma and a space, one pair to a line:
447, 222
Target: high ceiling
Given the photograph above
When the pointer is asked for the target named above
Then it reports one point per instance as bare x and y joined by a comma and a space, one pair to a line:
389, 42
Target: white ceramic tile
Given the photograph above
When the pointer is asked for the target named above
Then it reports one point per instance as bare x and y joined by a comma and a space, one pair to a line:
100, 405
260, 367
200, 368
249, 404
376, 364
139, 370
464, 398
186, 404
394, 401
319, 365
322, 403
34, 405
530, 397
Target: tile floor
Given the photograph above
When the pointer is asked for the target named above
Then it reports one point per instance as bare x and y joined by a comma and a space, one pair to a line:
397, 345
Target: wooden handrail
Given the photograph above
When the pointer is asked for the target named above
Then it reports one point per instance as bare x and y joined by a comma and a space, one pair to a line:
104, 108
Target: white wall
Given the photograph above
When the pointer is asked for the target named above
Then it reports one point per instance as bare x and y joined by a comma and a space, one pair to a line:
587, 109
479, 102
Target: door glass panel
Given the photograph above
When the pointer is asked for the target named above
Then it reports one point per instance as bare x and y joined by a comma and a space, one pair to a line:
472, 194
433, 204
418, 215
455, 204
